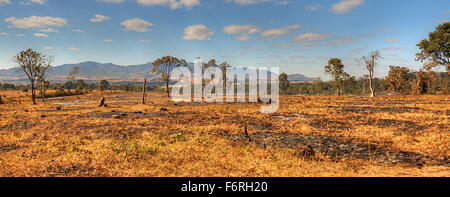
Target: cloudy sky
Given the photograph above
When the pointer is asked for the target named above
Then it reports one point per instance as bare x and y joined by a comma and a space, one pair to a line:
299, 36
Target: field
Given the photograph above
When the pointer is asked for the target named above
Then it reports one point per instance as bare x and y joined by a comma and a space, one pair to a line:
308, 136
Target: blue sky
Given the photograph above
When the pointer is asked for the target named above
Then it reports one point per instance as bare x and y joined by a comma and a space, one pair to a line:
299, 36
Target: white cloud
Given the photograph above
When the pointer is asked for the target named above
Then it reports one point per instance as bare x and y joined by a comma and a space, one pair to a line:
359, 50
251, 47
284, 2
20, 35
77, 30
382, 28
345, 6
4, 2
113, 1
392, 40
137, 25
73, 49
3, 34
48, 48
342, 40
197, 32
49, 30
107, 40
99, 18
306, 39
242, 31
36, 22
277, 33
246, 2
144, 41
173, 4
313, 7
310, 37
40, 35
41, 2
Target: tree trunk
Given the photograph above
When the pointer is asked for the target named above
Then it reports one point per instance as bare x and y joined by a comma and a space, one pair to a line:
33, 96
372, 91
143, 90
167, 89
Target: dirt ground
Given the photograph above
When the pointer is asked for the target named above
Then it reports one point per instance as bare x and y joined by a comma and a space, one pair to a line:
308, 136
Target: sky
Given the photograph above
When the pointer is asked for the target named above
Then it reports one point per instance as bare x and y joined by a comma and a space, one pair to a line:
299, 36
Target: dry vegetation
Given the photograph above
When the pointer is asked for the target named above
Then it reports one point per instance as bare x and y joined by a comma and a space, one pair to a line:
308, 136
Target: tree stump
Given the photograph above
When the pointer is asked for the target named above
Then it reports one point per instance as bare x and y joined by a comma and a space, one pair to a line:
102, 102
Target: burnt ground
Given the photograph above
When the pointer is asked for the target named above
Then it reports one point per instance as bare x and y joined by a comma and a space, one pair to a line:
336, 148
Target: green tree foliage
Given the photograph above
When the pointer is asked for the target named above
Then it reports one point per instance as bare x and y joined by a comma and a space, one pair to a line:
103, 85
34, 65
335, 68
284, 83
398, 79
164, 67
435, 50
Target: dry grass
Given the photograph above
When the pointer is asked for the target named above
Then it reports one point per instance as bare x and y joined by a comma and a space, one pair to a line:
350, 136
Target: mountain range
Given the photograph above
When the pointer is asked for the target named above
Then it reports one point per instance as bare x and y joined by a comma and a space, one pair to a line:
93, 71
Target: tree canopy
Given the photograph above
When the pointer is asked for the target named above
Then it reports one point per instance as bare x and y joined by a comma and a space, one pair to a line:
435, 50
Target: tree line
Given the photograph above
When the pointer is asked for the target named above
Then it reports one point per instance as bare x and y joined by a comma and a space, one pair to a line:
434, 52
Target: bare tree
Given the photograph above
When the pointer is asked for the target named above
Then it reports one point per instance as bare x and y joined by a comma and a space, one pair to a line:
164, 67
371, 61
73, 74
34, 65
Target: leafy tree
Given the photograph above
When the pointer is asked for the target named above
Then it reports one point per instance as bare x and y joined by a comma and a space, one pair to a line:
43, 86
103, 85
398, 78
371, 62
69, 85
80, 84
284, 83
435, 50
164, 67
335, 68
34, 65
419, 85
210, 63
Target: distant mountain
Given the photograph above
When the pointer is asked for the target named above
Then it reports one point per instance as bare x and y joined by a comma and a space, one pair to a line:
94, 71
89, 71
299, 77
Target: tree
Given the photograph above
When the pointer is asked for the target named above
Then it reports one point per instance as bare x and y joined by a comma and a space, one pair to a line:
224, 66
210, 63
34, 64
73, 73
335, 68
284, 83
398, 78
419, 85
43, 86
103, 85
80, 84
435, 50
69, 85
164, 67
371, 62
